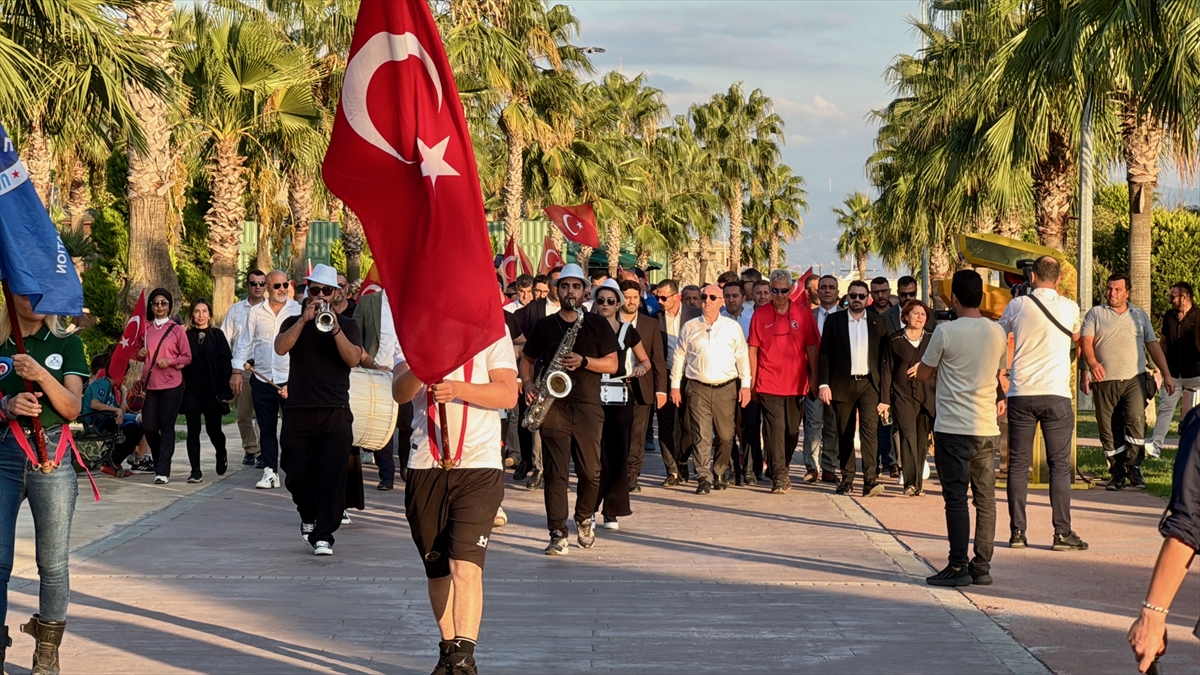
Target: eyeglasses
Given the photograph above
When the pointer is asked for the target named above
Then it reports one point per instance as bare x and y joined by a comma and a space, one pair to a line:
857, 296
324, 290
256, 284
606, 301
160, 303
279, 286
714, 298
780, 291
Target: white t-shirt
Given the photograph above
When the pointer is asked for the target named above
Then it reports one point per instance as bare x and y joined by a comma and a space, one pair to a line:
1041, 352
481, 441
967, 353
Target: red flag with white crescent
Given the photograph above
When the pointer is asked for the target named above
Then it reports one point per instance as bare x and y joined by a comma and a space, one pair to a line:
578, 223
370, 283
400, 156
131, 341
526, 266
799, 292
551, 258
508, 264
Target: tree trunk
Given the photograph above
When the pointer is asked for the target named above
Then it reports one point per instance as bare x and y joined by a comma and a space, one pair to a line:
300, 202
224, 218
643, 258
1141, 141
735, 229
514, 188
585, 254
558, 239
1052, 192
703, 253
862, 267
352, 242
1010, 226
773, 248
149, 172
38, 159
80, 194
262, 247
613, 246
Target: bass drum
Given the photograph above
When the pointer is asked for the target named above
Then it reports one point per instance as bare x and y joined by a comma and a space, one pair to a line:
374, 409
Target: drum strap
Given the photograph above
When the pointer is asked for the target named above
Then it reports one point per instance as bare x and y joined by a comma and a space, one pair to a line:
431, 415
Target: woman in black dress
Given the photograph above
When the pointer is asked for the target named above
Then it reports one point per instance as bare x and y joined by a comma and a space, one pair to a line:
613, 499
911, 402
206, 386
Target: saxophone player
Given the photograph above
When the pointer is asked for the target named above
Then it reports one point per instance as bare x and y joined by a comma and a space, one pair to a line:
573, 424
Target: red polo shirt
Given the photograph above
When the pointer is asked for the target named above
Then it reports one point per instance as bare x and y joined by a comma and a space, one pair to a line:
782, 341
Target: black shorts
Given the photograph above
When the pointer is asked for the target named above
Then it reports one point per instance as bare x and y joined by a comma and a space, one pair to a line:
451, 514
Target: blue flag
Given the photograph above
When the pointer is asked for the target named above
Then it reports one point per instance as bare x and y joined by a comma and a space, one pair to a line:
33, 259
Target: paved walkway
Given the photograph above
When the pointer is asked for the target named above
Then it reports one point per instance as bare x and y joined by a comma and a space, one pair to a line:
215, 579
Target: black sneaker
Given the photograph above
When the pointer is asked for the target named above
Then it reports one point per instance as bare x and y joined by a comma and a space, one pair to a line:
445, 651
249, 459
222, 464
842, 489
950, 577
672, 480
144, 465
1017, 539
385, 485
703, 487
462, 664
520, 472
558, 545
750, 480
196, 477
1116, 484
1135, 477
1068, 542
978, 577
535, 481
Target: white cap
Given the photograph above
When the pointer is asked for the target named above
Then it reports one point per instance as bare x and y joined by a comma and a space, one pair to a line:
572, 271
323, 274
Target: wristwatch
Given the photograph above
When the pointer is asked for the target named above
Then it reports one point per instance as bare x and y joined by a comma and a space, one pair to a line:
584, 363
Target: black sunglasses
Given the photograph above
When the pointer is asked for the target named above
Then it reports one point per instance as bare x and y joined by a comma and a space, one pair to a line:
904, 295
857, 296
325, 290
714, 298
256, 284
606, 301
279, 286
664, 298
780, 291
160, 303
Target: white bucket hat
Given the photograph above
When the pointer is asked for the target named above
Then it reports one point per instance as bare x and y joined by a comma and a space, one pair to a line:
323, 274
572, 271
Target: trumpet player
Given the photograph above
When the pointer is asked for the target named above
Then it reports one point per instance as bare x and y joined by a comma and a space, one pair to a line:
573, 425
317, 421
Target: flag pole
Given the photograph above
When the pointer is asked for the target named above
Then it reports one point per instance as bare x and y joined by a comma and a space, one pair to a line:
447, 460
39, 436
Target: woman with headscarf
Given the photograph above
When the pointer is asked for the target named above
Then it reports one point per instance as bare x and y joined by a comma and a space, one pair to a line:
911, 402
613, 499
164, 355
207, 393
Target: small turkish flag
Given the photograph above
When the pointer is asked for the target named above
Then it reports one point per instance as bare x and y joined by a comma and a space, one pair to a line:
401, 158
578, 223
131, 341
370, 283
551, 258
508, 264
799, 292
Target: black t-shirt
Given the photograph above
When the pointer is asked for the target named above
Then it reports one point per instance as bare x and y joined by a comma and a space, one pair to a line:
594, 340
513, 323
318, 377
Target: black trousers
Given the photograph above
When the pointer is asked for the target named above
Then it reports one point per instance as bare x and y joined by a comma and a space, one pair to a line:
637, 438
158, 421
962, 462
211, 411
711, 411
317, 443
614, 455
781, 420
571, 431
1057, 418
914, 423
1121, 402
748, 451
385, 458
675, 434
861, 407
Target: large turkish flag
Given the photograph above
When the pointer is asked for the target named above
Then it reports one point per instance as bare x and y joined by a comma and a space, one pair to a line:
578, 223
401, 158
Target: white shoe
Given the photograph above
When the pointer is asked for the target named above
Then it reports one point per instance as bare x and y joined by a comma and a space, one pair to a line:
323, 548
609, 524
346, 519
269, 480
161, 480
501, 518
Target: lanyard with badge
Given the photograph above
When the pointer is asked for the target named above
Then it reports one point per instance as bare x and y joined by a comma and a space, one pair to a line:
439, 457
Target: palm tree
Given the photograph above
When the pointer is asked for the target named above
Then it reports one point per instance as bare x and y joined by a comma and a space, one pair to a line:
777, 211
740, 132
245, 84
855, 221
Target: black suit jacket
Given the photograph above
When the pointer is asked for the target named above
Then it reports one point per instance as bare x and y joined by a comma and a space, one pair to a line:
834, 363
655, 380
530, 314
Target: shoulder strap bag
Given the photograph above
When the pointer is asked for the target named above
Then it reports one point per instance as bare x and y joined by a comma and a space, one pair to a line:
137, 396
1068, 333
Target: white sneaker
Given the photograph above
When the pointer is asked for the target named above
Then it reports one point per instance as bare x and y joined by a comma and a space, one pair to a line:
501, 518
610, 524
323, 548
306, 529
346, 519
161, 480
269, 480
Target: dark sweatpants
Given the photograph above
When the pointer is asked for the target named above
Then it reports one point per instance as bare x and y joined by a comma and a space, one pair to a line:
158, 420
212, 412
571, 431
1126, 401
316, 443
781, 420
968, 461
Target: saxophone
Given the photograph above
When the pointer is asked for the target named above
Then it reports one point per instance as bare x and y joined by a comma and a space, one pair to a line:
554, 383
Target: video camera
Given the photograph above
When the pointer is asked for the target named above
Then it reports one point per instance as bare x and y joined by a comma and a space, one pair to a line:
1021, 284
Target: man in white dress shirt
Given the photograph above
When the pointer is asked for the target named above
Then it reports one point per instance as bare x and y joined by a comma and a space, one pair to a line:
235, 319
712, 354
257, 343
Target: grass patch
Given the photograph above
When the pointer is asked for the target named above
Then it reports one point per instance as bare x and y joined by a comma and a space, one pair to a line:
1157, 472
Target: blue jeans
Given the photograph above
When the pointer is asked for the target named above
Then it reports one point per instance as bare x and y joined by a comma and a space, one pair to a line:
52, 501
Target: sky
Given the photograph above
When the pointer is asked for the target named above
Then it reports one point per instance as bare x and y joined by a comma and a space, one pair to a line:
822, 63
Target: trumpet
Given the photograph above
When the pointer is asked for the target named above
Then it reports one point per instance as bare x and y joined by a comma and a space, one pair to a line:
326, 320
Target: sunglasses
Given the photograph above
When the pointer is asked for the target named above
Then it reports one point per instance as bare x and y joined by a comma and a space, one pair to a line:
606, 301
257, 284
325, 290
664, 298
904, 295
857, 296
160, 303
279, 286
714, 298
780, 291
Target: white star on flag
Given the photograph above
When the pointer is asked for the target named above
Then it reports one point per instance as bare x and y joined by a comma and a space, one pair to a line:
433, 163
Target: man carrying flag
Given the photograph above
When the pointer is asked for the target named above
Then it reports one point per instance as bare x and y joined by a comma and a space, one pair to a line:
40, 288
401, 158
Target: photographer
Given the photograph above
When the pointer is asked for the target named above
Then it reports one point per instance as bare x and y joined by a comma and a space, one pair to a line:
317, 422
1043, 325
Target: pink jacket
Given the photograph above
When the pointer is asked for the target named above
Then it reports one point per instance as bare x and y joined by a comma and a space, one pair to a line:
175, 350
